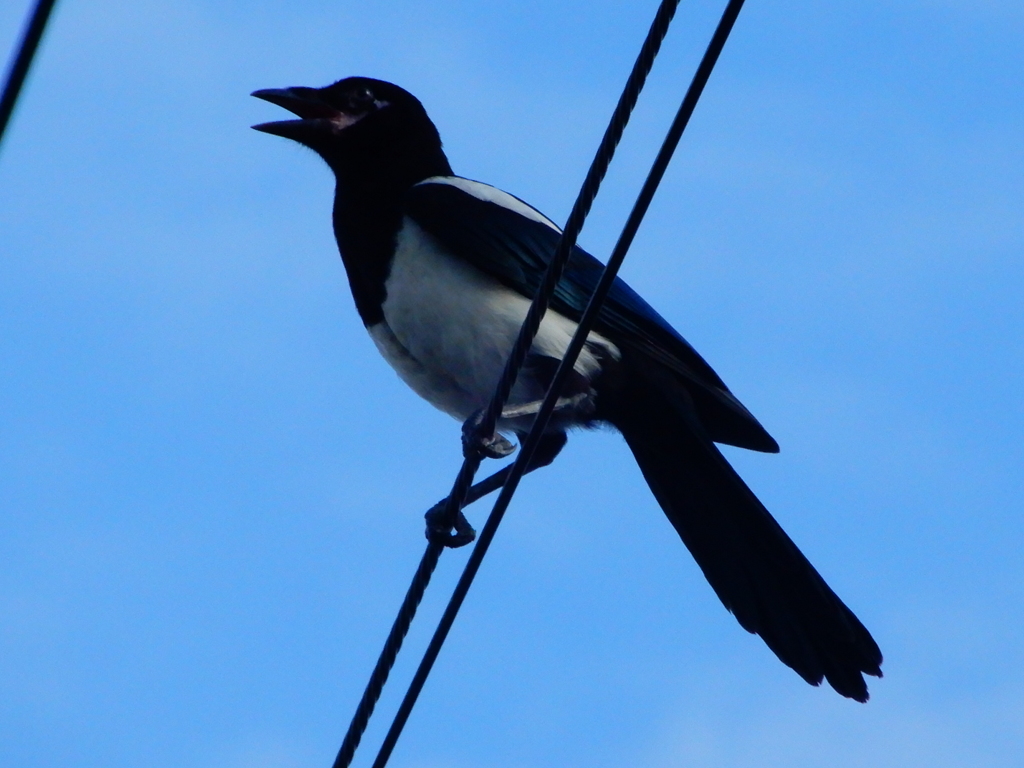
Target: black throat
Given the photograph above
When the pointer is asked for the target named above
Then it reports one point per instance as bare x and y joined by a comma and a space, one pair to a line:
373, 176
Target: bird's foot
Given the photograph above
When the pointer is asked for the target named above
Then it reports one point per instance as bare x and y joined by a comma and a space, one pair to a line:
439, 530
474, 441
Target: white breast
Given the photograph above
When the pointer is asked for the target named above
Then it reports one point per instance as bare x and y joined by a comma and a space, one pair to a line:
448, 328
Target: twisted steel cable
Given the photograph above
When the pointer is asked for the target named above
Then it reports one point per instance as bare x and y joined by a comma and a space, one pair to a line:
464, 479
589, 317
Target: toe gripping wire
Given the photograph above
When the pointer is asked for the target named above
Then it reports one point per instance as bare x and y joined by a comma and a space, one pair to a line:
461, 493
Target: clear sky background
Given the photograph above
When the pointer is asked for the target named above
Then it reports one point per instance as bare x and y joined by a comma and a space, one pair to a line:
211, 487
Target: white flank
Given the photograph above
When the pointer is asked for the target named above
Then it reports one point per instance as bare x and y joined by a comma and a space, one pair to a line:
448, 328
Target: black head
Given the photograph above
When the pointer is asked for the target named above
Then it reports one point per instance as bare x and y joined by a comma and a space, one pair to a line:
361, 126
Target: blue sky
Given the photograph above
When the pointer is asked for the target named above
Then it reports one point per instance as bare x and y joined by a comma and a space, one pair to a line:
211, 486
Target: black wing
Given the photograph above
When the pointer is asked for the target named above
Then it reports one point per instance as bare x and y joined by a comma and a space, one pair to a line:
515, 250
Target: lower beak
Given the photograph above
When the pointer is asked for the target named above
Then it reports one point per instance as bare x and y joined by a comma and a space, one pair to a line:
302, 131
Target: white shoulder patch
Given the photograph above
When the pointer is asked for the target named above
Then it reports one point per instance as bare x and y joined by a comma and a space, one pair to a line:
494, 195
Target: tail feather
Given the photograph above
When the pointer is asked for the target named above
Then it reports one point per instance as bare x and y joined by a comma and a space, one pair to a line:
753, 566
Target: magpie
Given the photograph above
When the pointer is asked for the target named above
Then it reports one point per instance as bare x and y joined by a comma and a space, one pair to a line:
442, 270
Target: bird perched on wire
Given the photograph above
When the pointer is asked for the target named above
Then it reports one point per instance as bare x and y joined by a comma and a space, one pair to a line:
443, 269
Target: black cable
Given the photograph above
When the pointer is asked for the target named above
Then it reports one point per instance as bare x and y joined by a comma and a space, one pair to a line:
589, 317
386, 661
580, 210
23, 60
464, 480
588, 191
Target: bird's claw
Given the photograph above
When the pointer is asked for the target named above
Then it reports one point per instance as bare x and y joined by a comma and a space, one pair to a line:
492, 446
439, 530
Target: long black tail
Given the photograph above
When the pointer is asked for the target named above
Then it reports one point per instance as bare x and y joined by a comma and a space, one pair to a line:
753, 566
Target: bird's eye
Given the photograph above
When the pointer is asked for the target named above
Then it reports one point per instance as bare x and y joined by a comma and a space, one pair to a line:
362, 97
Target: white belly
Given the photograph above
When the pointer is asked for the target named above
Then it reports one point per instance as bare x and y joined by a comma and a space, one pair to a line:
448, 329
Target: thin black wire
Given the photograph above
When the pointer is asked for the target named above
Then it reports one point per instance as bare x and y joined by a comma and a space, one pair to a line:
589, 317
580, 209
23, 60
464, 480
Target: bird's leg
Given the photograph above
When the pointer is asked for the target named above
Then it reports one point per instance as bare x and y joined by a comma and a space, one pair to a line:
549, 447
562, 404
497, 447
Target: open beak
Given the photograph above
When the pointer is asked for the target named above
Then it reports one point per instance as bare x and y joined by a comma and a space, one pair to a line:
317, 118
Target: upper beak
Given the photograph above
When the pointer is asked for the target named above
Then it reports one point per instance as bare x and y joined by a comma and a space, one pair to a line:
304, 102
